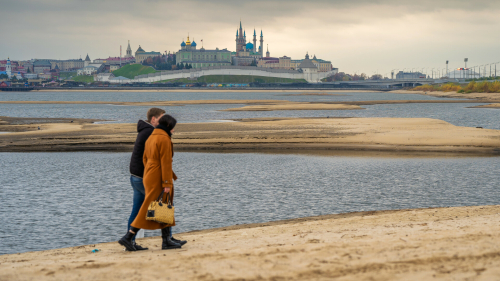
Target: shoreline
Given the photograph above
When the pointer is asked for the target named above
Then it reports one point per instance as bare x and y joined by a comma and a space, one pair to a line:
221, 89
406, 244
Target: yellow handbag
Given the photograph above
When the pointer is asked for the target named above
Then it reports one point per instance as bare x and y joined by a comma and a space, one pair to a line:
161, 212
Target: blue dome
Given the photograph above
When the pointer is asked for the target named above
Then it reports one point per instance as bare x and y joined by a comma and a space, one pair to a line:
183, 44
249, 46
193, 44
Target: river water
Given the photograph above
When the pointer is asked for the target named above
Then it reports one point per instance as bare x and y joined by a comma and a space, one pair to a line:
457, 114
53, 200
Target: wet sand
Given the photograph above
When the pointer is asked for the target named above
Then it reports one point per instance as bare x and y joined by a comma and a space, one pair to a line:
260, 105
459, 243
492, 105
215, 89
264, 134
476, 96
296, 106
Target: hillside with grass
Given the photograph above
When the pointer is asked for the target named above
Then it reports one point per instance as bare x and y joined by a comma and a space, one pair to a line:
472, 87
235, 79
83, 78
132, 70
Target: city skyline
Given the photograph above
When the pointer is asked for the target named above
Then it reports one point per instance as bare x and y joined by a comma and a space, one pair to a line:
356, 37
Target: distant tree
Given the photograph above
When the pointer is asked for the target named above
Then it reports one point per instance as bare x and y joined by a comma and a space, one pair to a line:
362, 76
181, 66
4, 76
29, 71
376, 77
254, 63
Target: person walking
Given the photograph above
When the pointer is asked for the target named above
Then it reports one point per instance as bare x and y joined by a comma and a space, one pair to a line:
144, 130
158, 177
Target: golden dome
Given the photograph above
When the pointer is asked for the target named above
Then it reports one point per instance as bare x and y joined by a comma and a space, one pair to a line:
188, 43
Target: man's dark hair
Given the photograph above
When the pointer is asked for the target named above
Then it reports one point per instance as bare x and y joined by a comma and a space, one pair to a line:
154, 112
168, 122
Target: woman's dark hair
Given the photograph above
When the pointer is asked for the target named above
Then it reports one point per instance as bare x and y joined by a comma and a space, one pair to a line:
167, 123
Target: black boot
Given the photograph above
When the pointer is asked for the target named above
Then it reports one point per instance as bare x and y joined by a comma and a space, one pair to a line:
126, 240
181, 242
167, 241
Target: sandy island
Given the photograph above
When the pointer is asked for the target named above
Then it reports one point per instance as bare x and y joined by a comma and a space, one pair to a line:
492, 105
296, 106
475, 96
275, 134
459, 243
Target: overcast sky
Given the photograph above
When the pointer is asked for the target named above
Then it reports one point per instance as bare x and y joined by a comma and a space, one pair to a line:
356, 36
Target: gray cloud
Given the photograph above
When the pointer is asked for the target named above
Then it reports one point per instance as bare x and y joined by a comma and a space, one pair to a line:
354, 35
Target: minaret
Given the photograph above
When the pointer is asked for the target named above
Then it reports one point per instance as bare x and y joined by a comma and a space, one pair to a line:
254, 40
261, 44
267, 53
129, 50
8, 68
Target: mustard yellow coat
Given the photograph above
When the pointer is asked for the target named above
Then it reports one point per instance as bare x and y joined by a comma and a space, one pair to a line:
158, 174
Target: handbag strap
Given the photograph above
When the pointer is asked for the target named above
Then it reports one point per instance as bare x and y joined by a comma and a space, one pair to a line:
160, 198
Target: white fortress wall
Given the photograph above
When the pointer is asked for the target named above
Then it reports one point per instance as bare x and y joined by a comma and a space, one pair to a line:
231, 70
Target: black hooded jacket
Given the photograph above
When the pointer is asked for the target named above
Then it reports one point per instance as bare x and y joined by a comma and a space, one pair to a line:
136, 165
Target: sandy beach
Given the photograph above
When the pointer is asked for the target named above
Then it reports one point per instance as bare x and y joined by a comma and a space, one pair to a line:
492, 105
296, 106
278, 134
476, 96
459, 243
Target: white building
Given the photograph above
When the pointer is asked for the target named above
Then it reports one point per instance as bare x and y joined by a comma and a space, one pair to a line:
8, 68
88, 70
309, 69
104, 77
31, 75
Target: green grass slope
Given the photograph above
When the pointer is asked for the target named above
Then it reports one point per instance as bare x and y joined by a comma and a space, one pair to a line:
132, 70
236, 79
83, 78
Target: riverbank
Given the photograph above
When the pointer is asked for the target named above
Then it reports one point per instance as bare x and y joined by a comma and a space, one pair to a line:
413, 135
198, 90
486, 97
459, 243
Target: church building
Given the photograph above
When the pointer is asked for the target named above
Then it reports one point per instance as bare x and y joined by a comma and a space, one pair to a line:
197, 58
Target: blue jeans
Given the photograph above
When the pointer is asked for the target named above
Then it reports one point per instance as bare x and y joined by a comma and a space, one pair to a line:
139, 195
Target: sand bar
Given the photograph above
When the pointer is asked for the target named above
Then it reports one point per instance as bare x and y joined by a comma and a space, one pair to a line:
201, 90
279, 134
459, 243
476, 96
492, 105
296, 106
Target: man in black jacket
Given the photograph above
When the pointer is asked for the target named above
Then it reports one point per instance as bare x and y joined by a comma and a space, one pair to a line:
144, 130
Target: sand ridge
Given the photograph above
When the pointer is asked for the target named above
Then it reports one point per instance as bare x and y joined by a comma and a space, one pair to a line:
458, 243
282, 134
491, 105
295, 106
476, 96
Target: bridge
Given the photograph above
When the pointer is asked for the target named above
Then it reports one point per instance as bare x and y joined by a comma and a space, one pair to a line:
391, 83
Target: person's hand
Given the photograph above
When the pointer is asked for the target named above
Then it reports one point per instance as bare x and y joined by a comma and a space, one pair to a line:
167, 189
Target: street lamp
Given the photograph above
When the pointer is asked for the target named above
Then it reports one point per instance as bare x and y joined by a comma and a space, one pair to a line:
465, 69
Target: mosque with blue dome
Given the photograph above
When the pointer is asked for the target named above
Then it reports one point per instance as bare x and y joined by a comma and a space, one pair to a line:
245, 54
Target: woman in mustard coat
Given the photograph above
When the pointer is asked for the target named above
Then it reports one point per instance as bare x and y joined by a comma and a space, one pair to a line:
158, 177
